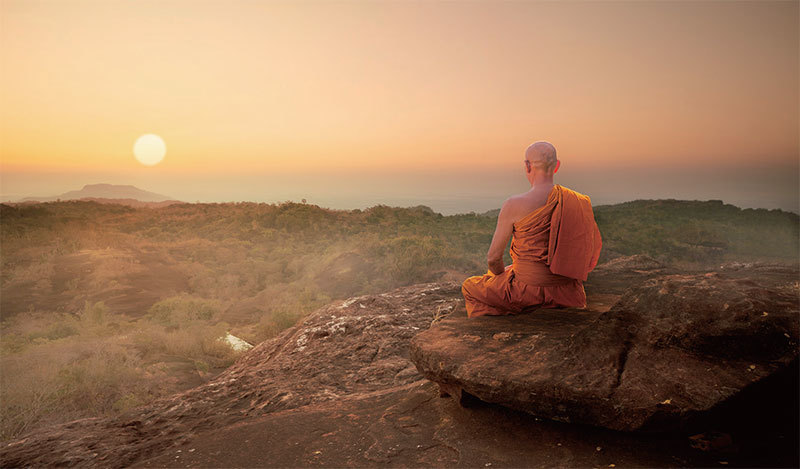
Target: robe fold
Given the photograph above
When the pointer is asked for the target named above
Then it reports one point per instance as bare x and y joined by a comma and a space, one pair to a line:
553, 249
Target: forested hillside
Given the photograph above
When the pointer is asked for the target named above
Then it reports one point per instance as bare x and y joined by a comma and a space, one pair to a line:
698, 234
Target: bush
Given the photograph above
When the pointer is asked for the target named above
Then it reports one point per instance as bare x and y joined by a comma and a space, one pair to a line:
65, 327
57, 382
93, 315
194, 341
179, 311
276, 322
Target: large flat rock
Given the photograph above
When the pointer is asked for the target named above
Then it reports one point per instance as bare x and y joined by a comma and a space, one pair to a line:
410, 426
672, 348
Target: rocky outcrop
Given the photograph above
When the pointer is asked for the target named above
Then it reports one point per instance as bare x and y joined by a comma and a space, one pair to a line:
339, 390
673, 347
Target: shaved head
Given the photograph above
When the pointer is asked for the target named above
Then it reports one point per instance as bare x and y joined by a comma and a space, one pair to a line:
542, 155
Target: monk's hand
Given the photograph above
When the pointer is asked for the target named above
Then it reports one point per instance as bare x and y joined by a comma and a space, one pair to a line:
496, 267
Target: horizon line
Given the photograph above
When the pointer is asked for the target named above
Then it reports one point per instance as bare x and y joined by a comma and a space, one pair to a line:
289, 201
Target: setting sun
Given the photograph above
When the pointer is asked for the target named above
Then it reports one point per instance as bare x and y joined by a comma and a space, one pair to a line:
149, 149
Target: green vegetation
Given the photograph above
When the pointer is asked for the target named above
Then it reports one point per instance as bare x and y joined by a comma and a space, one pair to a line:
80, 338
696, 234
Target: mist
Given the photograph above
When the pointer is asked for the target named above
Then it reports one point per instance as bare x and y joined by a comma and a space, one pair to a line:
446, 192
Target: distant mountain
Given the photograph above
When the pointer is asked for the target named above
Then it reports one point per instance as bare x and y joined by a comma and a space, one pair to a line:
104, 191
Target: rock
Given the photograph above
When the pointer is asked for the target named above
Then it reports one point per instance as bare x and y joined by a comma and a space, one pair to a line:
671, 349
711, 441
609, 281
235, 343
630, 263
410, 426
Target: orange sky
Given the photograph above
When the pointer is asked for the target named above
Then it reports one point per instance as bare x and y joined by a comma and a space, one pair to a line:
246, 88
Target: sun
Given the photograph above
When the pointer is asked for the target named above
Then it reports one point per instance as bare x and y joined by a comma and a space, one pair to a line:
149, 149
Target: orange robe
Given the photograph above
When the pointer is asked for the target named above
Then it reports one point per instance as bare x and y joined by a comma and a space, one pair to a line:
553, 250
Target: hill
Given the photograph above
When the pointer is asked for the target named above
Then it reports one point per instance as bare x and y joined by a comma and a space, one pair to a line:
698, 232
104, 191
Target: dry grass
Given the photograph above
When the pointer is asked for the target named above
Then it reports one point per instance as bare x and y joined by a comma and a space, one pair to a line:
40, 268
110, 265
274, 323
59, 380
60, 367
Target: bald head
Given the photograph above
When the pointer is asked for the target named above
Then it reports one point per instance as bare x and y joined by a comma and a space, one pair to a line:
542, 155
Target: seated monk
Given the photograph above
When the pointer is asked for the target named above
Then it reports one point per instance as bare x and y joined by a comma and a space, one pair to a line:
555, 244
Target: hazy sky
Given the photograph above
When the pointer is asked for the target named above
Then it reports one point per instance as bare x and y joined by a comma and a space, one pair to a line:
349, 104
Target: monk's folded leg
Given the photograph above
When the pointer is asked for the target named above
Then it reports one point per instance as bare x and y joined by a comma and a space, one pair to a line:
571, 295
486, 295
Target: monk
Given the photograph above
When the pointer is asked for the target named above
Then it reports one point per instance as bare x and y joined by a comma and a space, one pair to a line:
555, 243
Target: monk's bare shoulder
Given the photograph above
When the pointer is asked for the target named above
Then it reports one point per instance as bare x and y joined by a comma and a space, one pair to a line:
513, 207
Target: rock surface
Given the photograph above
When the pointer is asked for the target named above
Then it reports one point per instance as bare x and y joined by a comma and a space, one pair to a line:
673, 347
339, 390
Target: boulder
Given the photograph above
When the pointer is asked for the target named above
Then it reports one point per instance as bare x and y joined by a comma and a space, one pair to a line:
673, 348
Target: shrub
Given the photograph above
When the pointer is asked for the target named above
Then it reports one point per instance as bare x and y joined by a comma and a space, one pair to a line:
57, 382
93, 314
275, 322
65, 327
178, 311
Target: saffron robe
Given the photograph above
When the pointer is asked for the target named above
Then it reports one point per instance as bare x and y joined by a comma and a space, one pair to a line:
553, 249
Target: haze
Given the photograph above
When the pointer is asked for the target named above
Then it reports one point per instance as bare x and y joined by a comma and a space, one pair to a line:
350, 104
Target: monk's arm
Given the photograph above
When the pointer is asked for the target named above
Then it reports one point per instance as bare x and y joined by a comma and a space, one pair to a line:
502, 233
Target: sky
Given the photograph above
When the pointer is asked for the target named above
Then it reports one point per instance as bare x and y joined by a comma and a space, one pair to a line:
351, 104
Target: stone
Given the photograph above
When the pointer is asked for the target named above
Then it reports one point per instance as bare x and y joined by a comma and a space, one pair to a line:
672, 348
